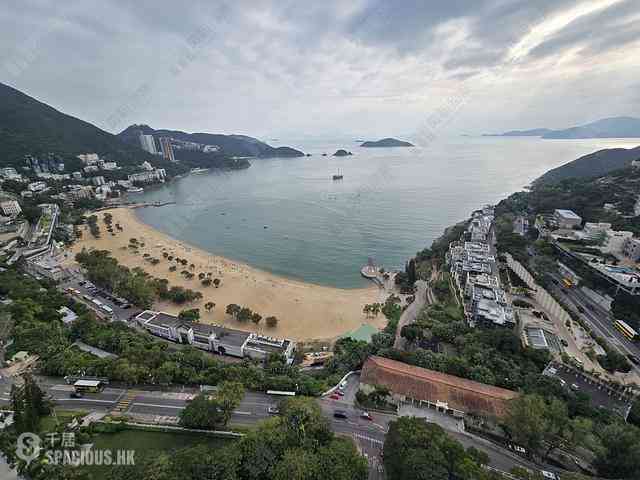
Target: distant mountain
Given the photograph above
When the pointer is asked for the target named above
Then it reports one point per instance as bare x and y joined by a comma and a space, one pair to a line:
536, 132
28, 126
615, 127
592, 165
342, 153
231, 145
387, 142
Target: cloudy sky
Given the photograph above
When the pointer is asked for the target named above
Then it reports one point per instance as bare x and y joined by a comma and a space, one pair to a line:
361, 67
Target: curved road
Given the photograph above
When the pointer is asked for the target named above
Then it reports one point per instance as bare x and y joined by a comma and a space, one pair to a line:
411, 312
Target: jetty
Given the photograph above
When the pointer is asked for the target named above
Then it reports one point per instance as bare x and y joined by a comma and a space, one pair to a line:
371, 272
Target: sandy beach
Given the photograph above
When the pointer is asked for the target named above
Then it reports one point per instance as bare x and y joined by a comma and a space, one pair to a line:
305, 311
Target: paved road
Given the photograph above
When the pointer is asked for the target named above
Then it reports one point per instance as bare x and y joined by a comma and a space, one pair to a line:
165, 406
598, 319
411, 312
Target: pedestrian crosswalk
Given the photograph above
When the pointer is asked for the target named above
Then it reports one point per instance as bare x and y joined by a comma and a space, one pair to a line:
125, 401
366, 438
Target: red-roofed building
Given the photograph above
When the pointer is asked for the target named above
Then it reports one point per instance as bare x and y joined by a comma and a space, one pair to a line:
448, 393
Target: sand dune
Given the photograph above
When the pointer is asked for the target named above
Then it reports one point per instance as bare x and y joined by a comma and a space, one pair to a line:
305, 311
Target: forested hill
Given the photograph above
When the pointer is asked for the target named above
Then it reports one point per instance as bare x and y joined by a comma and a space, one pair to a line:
233, 145
28, 126
592, 165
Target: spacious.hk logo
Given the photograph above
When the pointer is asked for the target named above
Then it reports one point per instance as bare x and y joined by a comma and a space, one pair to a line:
60, 449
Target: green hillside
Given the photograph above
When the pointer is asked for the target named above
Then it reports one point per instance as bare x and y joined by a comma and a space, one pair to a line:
28, 126
592, 165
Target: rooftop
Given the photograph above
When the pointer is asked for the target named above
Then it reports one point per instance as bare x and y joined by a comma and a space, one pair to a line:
568, 214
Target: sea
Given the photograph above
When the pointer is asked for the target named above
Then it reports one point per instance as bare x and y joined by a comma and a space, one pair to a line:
289, 217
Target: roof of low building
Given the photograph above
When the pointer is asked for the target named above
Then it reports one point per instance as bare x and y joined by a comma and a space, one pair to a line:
423, 384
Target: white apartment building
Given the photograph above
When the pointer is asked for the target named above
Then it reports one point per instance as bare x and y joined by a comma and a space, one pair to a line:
567, 218
148, 143
37, 186
89, 158
10, 208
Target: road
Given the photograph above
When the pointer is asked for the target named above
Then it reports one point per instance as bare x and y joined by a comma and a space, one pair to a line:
598, 319
411, 312
165, 406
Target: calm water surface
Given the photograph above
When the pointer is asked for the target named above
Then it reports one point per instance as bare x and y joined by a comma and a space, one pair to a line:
391, 203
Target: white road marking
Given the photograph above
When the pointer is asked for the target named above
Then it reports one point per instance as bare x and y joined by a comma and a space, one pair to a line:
178, 407
236, 412
83, 400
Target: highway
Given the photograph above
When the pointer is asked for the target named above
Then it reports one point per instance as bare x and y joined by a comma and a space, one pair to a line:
597, 317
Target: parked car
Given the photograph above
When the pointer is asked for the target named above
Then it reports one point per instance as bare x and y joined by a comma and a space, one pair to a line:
366, 416
340, 414
340, 392
273, 410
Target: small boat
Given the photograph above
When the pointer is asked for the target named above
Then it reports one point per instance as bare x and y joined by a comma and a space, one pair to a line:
324, 154
338, 177
199, 171
135, 190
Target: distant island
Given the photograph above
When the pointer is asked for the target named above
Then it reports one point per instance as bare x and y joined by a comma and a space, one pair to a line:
387, 142
342, 153
614, 127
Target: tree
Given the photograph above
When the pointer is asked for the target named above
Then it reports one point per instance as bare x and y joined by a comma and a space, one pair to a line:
209, 306
191, 315
419, 450
256, 317
202, 412
233, 310
216, 282
244, 315
620, 453
229, 396
29, 404
271, 321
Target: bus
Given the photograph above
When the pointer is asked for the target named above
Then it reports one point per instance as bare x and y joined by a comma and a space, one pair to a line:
281, 393
626, 330
82, 386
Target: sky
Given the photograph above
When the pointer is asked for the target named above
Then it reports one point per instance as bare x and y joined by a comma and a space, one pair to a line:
368, 68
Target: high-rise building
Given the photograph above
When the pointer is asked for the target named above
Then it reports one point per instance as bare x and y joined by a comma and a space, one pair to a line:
148, 144
167, 149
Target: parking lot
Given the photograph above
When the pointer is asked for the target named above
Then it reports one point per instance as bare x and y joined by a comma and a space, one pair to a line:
104, 304
600, 395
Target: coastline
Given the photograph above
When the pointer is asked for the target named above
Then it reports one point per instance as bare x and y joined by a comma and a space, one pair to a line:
305, 311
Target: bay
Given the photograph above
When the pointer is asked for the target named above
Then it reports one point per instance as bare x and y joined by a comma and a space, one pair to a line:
287, 216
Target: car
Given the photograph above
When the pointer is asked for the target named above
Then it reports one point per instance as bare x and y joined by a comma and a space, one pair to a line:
575, 386
633, 359
340, 414
273, 410
334, 396
76, 395
366, 416
549, 475
82, 283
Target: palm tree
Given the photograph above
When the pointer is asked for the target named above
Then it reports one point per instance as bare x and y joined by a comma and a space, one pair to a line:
271, 321
256, 317
216, 282
201, 276
209, 306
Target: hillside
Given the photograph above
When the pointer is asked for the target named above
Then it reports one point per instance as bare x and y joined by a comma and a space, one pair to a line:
28, 126
592, 165
614, 127
232, 145
386, 142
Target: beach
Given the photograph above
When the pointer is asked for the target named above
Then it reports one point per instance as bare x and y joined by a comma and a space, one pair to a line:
305, 311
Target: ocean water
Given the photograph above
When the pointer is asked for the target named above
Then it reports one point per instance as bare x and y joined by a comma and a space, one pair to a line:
287, 216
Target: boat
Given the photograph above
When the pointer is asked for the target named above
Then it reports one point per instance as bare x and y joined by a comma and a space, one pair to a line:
199, 171
338, 176
135, 190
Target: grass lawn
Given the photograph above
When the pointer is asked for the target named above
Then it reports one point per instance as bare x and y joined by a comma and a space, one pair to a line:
148, 444
63, 417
